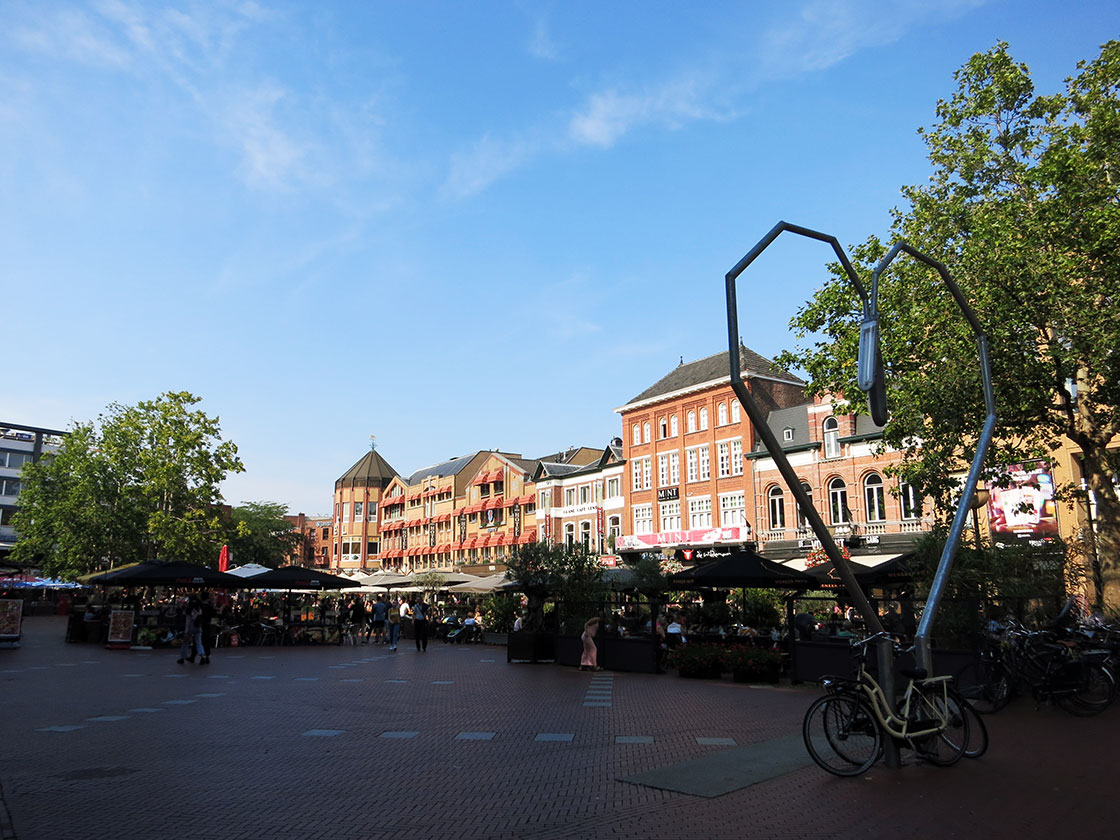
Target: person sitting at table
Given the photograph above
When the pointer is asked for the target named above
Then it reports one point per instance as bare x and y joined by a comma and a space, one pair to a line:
674, 631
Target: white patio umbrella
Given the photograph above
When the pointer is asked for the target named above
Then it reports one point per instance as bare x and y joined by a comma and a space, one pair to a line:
248, 570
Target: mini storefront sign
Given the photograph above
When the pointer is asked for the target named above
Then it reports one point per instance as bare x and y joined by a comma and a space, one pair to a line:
669, 494
693, 537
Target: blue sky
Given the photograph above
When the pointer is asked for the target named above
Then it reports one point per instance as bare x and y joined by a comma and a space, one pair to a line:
455, 226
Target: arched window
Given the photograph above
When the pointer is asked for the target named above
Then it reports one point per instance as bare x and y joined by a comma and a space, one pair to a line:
691, 427
570, 534
734, 411
662, 428
873, 498
777, 508
674, 428
909, 498
637, 434
703, 418
802, 521
645, 432
838, 501
721, 413
585, 533
614, 526
831, 438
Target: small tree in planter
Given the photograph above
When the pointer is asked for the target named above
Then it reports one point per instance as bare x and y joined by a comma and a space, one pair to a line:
698, 661
571, 573
753, 664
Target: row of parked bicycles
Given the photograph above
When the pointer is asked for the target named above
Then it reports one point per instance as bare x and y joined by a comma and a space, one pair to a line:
939, 717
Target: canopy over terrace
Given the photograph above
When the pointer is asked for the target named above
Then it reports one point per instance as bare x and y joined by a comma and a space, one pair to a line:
741, 568
172, 573
882, 570
296, 577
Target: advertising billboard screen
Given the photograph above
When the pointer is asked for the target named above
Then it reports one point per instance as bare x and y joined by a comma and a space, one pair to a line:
1025, 510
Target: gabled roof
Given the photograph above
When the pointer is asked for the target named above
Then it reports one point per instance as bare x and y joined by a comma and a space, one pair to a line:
611, 454
371, 470
450, 467
797, 418
712, 369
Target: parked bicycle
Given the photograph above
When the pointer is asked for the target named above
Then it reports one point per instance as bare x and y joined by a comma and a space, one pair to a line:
1062, 665
845, 730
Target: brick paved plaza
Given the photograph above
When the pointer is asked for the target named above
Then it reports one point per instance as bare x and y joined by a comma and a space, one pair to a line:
358, 742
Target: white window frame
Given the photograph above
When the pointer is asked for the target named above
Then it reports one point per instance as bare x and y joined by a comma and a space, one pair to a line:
690, 426
645, 432
776, 507
735, 411
693, 457
671, 516
838, 501
721, 414
705, 463
663, 469
874, 499
908, 500
637, 436
831, 430
700, 513
674, 426
733, 509
723, 456
674, 469
704, 419
737, 456
643, 519
614, 488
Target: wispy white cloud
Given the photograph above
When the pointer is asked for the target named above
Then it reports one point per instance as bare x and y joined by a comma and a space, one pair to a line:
489, 159
807, 37
821, 33
541, 44
609, 115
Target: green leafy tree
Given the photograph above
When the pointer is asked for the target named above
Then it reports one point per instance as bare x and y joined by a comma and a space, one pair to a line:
431, 582
571, 574
259, 533
1023, 207
140, 483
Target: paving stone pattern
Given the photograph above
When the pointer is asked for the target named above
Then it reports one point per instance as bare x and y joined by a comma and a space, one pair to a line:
358, 742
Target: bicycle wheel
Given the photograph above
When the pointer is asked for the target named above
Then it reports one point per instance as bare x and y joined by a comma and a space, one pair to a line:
984, 685
977, 730
933, 706
1095, 693
842, 735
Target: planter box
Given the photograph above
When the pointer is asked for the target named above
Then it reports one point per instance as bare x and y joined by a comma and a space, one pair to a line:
495, 638
531, 647
813, 660
569, 650
636, 655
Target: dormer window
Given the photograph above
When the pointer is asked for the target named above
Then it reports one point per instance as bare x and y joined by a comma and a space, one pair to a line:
787, 434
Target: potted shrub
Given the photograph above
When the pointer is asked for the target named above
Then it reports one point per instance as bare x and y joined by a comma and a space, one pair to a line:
754, 664
698, 661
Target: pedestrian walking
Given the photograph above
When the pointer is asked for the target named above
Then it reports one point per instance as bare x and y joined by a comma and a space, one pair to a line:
378, 614
393, 621
206, 631
590, 659
192, 632
420, 623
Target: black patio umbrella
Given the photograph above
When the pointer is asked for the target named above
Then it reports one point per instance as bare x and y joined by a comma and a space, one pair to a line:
744, 568
296, 577
894, 570
171, 573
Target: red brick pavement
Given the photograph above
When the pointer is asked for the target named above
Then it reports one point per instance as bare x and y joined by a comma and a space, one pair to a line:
238, 765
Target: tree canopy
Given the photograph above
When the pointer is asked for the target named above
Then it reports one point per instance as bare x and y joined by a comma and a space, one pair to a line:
140, 483
1023, 208
259, 533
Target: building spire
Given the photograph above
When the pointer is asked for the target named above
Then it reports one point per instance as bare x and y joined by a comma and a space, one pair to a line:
372, 443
